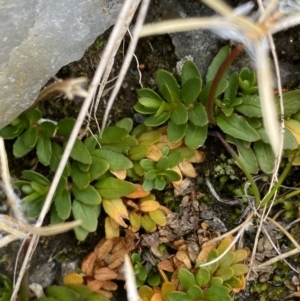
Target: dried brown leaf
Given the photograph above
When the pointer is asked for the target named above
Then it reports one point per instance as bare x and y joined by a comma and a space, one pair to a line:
109, 286
166, 265
139, 193
181, 259
187, 169
116, 259
148, 206
154, 153
105, 274
95, 284
198, 157
88, 263
206, 248
120, 174
165, 141
103, 248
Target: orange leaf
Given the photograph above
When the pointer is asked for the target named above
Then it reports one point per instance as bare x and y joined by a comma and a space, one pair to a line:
156, 297
73, 278
148, 206
139, 193
110, 286
177, 169
206, 248
88, 262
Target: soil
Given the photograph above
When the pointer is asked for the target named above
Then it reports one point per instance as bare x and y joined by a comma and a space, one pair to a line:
153, 54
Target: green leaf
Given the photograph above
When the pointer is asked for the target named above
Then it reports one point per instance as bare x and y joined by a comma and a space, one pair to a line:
223, 84
126, 124
20, 149
11, 132
291, 102
150, 102
163, 163
190, 90
174, 159
147, 164
264, 156
149, 138
31, 175
227, 259
254, 122
33, 204
197, 115
34, 115
54, 218
81, 233
83, 291
40, 189
247, 157
90, 143
178, 296
115, 160
153, 280
80, 178
87, 213
47, 129
171, 175
160, 182
176, 132
213, 254
96, 297
62, 201
88, 196
239, 269
238, 127
189, 70
217, 293
80, 152
148, 185
138, 152
45, 299
157, 120
202, 277
234, 282
97, 168
44, 150
65, 126
83, 167
217, 62
225, 273
195, 293
232, 88
145, 92
110, 188
151, 174
289, 141
215, 281
144, 110
250, 106
112, 134
180, 114
186, 278
61, 293
195, 135
164, 78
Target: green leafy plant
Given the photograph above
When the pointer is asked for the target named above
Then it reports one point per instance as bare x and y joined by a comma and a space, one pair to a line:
6, 289
141, 274
215, 281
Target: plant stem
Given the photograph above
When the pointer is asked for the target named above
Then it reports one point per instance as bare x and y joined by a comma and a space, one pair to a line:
286, 197
214, 85
285, 172
242, 166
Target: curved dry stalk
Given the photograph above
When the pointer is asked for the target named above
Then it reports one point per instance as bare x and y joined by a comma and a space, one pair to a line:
277, 258
130, 52
81, 116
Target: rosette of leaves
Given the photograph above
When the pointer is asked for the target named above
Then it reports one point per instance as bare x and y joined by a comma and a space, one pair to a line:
70, 292
146, 214
215, 281
179, 107
141, 273
31, 132
159, 173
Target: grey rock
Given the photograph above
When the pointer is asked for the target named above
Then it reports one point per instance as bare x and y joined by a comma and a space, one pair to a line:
38, 37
